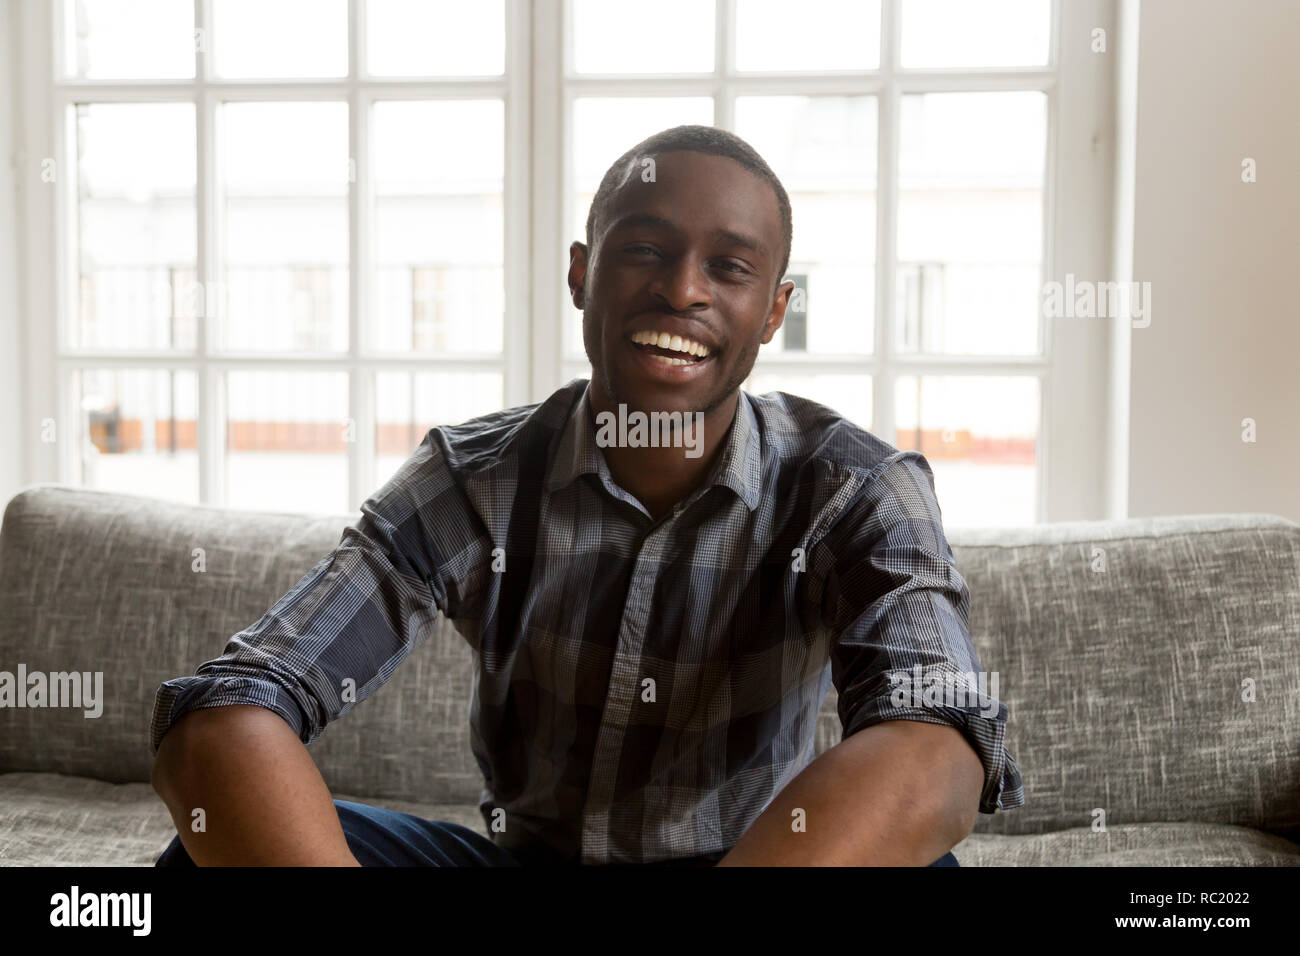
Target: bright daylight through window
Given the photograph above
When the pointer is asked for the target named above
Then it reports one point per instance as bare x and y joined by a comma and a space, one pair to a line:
311, 263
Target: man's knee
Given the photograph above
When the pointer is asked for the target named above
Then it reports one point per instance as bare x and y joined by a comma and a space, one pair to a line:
378, 837
174, 855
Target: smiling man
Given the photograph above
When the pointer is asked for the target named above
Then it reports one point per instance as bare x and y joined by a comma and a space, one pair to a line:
654, 630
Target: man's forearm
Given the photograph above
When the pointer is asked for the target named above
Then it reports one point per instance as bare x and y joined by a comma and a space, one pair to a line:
898, 793
264, 801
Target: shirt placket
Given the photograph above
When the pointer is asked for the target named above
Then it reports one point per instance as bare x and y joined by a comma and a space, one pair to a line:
621, 694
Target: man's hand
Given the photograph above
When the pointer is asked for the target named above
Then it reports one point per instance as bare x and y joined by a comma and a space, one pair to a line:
897, 793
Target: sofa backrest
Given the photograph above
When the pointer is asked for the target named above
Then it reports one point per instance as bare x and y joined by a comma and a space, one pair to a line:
1151, 667
1123, 649
93, 581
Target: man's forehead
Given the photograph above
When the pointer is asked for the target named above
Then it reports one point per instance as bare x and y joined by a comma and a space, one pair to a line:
669, 195
685, 171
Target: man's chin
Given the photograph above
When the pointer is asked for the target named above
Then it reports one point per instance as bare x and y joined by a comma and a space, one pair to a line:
649, 402
649, 397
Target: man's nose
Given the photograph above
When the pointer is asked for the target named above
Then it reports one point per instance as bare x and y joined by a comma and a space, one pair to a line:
682, 284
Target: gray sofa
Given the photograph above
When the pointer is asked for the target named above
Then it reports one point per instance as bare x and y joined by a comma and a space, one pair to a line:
1126, 653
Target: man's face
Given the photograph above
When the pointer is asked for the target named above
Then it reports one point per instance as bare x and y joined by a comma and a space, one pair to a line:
692, 254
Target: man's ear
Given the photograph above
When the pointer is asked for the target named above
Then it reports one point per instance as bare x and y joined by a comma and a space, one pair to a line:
577, 272
777, 315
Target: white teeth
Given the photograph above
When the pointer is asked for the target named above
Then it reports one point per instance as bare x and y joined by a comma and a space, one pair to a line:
676, 343
665, 360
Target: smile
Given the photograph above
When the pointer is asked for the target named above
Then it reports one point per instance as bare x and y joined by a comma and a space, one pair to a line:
670, 350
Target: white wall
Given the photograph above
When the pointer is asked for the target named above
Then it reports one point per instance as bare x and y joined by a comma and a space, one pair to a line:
11, 384
1217, 83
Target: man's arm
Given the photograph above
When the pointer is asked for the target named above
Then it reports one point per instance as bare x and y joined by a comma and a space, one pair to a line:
264, 802
906, 780
898, 793
231, 739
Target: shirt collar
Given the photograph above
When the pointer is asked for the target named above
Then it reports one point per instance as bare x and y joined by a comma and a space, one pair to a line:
738, 467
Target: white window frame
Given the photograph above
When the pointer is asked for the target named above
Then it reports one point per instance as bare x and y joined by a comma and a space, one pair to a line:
538, 89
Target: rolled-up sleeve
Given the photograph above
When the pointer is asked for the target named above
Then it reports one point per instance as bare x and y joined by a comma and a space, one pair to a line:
339, 633
901, 646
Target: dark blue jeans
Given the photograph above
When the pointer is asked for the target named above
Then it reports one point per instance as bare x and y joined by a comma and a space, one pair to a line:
380, 837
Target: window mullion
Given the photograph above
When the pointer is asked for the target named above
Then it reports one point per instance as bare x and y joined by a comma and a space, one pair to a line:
724, 97
1079, 187
67, 238
887, 112
361, 433
361, 447
551, 194
210, 427
519, 379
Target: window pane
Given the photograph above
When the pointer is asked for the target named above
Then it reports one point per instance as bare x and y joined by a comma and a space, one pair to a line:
435, 37
410, 403
964, 33
629, 36
970, 222
285, 172
137, 432
135, 220
603, 130
118, 39
439, 281
286, 441
850, 395
980, 436
822, 35
823, 149
280, 38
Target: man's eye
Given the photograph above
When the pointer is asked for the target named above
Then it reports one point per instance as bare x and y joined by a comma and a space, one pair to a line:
733, 266
640, 248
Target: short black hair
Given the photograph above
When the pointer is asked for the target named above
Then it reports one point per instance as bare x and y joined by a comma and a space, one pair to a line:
695, 139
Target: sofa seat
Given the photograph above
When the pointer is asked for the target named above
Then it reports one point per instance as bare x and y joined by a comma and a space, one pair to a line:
1134, 844
54, 819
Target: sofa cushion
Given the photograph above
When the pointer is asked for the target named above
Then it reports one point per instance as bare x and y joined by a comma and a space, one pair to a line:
1138, 844
57, 820
53, 819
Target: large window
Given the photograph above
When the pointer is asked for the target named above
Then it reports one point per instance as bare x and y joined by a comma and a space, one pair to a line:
295, 234
287, 248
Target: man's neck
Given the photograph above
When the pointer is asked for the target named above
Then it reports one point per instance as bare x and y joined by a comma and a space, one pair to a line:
660, 477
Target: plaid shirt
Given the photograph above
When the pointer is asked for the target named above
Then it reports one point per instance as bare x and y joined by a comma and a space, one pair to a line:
740, 631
